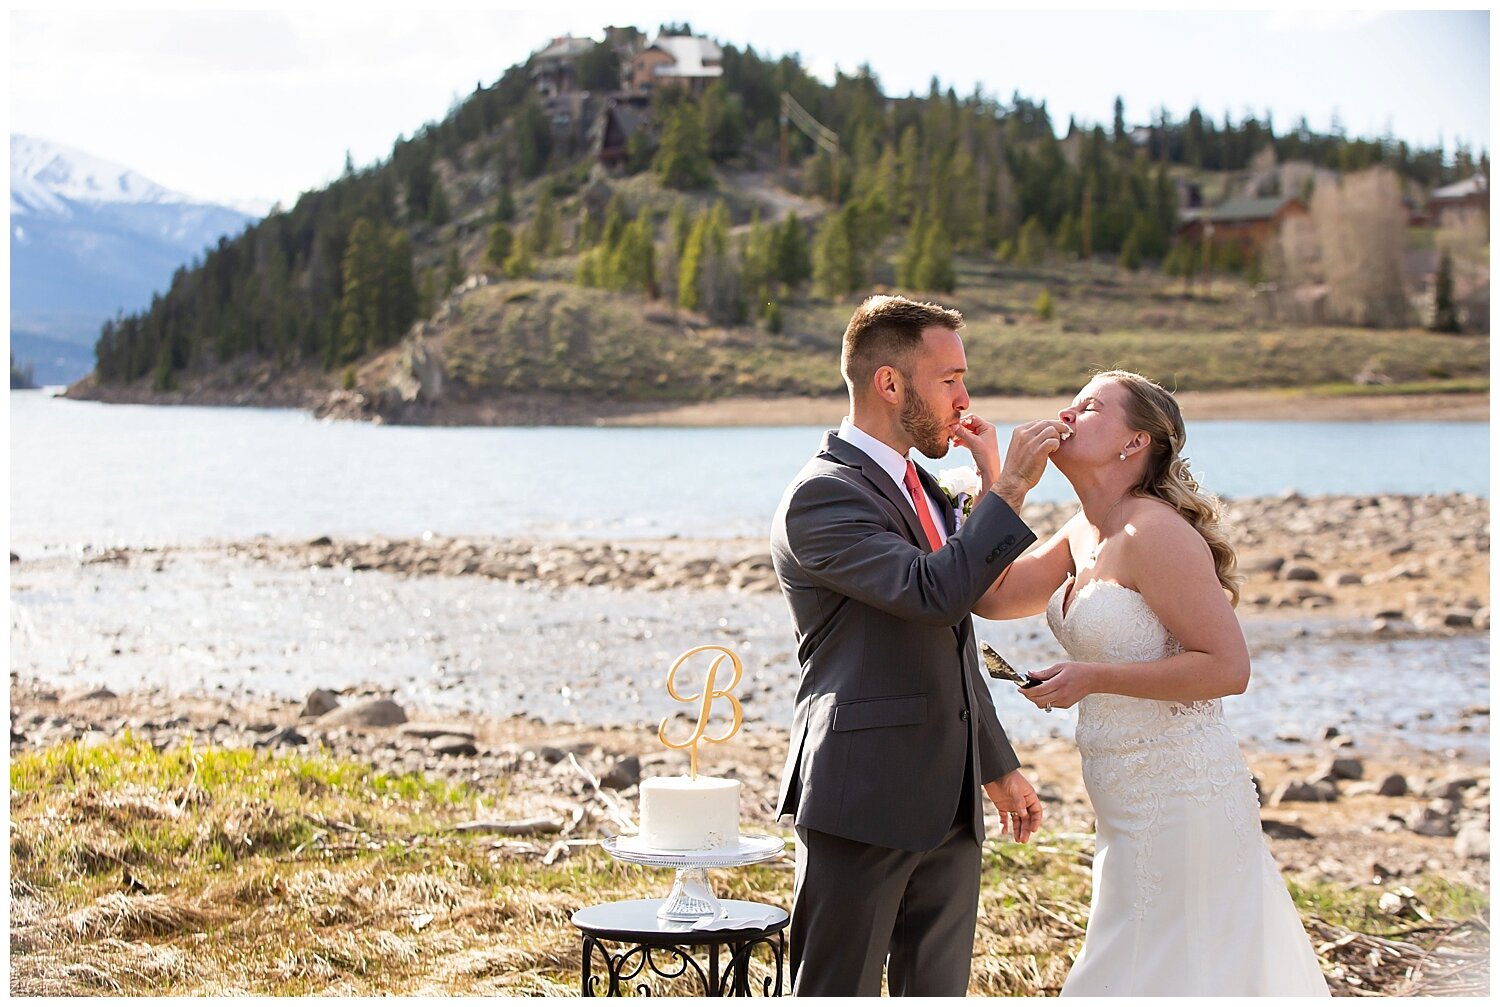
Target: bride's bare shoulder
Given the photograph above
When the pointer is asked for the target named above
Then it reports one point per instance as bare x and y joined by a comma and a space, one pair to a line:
1156, 525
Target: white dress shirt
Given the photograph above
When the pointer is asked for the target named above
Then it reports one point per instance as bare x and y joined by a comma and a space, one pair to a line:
886, 457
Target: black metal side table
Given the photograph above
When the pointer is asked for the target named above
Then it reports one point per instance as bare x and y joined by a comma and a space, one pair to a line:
663, 948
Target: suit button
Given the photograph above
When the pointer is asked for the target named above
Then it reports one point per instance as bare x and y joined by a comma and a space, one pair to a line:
963, 715
1008, 541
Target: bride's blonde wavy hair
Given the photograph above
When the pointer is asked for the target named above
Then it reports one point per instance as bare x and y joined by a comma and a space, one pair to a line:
1151, 409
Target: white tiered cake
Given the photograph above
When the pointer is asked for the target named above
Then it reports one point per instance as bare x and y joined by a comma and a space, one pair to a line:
689, 813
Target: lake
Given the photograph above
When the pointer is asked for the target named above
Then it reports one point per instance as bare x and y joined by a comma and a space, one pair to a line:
84, 472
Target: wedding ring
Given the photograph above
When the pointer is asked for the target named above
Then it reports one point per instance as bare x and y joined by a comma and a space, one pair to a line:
1049, 708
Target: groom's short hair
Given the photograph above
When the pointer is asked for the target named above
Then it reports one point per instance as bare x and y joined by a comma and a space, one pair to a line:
886, 329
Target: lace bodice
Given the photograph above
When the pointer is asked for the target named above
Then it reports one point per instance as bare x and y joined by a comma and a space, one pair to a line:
1141, 755
1108, 623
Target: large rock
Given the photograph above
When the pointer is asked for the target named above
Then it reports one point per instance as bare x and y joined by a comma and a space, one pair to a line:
1393, 785
1473, 842
288, 737
625, 773
1292, 791
86, 695
1431, 822
367, 713
453, 744
1450, 789
1284, 830
319, 702
428, 729
1343, 768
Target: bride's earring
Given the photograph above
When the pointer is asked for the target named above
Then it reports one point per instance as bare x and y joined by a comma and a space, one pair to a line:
1122, 456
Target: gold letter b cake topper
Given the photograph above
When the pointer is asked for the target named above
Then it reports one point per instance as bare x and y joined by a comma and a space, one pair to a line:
707, 697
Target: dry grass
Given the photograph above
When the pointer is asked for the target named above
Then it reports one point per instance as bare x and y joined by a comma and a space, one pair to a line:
287, 875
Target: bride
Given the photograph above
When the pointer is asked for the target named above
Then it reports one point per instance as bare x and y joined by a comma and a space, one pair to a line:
1139, 589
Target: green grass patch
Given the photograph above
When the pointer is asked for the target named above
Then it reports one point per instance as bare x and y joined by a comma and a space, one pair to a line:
218, 872
1447, 386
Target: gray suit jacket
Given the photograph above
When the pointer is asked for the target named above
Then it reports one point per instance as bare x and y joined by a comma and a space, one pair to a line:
891, 706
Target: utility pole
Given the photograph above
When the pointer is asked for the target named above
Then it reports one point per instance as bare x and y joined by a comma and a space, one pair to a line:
820, 134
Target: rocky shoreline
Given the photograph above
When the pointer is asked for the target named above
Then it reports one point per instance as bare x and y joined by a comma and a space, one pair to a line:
397, 403
1401, 565
1329, 811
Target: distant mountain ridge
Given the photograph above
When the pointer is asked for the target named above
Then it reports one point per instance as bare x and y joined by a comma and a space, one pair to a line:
88, 239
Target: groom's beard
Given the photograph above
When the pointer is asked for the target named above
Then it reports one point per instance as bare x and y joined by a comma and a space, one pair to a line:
927, 431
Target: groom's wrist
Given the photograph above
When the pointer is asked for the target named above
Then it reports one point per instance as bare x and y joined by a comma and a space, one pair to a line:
1011, 490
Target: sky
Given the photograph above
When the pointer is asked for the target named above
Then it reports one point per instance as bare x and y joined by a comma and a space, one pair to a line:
245, 107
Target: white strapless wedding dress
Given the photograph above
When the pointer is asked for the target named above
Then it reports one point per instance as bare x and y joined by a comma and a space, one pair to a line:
1187, 899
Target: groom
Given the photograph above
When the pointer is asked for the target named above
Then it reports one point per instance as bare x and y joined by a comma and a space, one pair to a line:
894, 730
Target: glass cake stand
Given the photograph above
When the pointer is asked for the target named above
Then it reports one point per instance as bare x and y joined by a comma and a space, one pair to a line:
692, 896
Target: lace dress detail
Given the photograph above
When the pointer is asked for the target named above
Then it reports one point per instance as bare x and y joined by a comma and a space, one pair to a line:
1178, 825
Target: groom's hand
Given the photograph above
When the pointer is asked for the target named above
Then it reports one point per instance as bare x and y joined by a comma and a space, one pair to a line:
1031, 444
1020, 811
979, 437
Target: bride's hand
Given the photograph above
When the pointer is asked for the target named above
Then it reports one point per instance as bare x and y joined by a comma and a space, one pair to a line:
983, 443
1062, 686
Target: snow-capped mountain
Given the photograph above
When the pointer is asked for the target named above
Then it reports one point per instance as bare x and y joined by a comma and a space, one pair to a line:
46, 177
89, 239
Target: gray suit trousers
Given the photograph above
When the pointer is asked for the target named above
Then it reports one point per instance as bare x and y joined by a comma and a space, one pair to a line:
856, 903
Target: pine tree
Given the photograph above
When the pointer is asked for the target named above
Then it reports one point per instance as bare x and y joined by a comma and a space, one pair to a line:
502, 240
1031, 243
1130, 252
682, 160
420, 181
614, 223
632, 266
438, 212
522, 260
1045, 307
505, 205
678, 227
935, 267
691, 265
398, 291
544, 226
1445, 310
835, 266
758, 260
909, 264
719, 276
794, 265
359, 307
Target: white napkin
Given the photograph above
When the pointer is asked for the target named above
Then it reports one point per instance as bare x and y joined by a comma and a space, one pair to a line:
741, 921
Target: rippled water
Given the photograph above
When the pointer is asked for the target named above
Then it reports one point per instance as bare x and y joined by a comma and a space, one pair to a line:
87, 472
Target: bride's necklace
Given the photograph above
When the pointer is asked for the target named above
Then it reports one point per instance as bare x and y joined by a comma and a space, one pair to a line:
1099, 544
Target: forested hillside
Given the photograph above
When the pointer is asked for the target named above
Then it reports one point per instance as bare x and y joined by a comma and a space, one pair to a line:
713, 211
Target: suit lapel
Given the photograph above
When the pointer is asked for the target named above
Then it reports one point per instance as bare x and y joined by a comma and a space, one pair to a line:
847, 454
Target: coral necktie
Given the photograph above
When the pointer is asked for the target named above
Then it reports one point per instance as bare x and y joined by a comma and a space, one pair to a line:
924, 510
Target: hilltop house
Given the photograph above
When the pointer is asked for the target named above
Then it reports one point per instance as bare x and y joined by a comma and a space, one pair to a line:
681, 60
554, 70
1249, 222
1458, 199
619, 120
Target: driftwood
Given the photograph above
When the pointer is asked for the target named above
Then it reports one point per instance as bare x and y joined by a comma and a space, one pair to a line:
611, 805
529, 827
1386, 964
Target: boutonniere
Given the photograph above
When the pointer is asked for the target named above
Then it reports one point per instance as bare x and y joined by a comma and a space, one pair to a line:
960, 485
